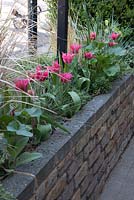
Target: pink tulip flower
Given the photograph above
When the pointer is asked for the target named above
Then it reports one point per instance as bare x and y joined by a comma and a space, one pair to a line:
75, 48
41, 75
55, 67
111, 44
89, 55
38, 68
65, 77
114, 36
92, 36
67, 57
22, 84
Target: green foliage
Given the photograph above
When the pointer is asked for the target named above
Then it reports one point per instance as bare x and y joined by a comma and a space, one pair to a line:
123, 11
30, 109
19, 126
4, 195
12, 147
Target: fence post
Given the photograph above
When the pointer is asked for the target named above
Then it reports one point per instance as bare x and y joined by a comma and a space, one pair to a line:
32, 26
62, 26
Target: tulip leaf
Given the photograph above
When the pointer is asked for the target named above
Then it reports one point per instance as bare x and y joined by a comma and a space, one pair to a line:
76, 100
84, 83
27, 157
44, 131
54, 123
112, 71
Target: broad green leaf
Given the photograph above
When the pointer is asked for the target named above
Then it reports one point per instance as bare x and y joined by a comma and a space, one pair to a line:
73, 106
44, 131
34, 112
19, 129
100, 45
76, 100
13, 126
24, 132
53, 122
4, 120
88, 48
93, 61
27, 157
19, 146
118, 51
66, 109
3, 143
18, 113
112, 71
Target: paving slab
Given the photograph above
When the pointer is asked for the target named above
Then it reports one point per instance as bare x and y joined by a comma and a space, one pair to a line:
120, 185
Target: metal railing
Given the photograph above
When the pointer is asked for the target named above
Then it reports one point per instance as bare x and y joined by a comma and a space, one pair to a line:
62, 25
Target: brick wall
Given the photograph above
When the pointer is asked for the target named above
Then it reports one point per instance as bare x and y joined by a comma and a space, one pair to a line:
81, 167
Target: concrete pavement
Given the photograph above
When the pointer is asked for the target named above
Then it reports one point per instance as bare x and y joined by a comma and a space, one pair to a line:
120, 185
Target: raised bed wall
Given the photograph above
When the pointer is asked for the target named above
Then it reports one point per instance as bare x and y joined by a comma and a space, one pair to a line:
76, 166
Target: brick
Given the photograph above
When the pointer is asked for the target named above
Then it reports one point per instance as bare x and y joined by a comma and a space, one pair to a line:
124, 104
57, 189
41, 192
109, 147
51, 180
130, 116
89, 147
131, 98
65, 163
68, 192
102, 131
114, 112
33, 198
119, 142
127, 112
84, 197
121, 117
91, 187
73, 168
122, 126
101, 172
129, 89
87, 180
96, 127
105, 140
119, 111
116, 139
114, 129
99, 187
111, 155
81, 174
122, 96
112, 163
98, 163
76, 196
94, 155
83, 141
